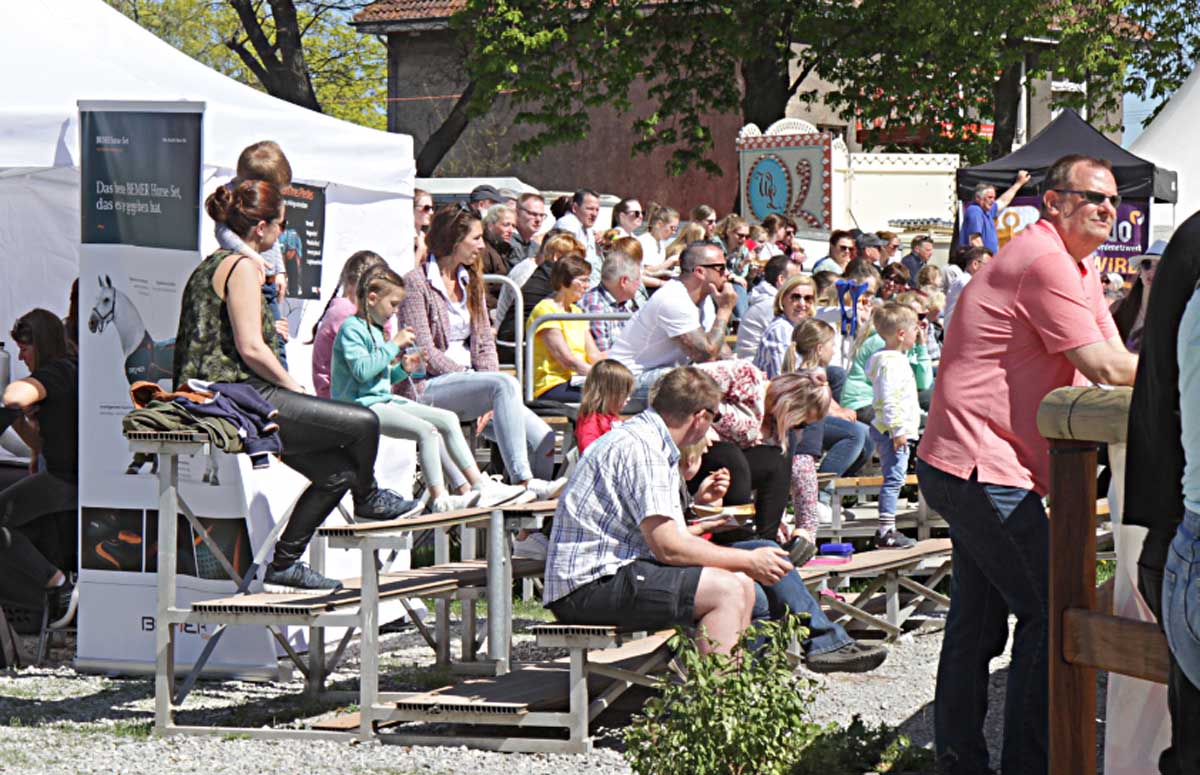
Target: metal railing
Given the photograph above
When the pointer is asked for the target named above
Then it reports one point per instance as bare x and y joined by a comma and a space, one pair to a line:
527, 385
518, 310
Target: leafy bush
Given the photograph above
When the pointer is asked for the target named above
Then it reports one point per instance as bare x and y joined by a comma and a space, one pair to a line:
742, 714
748, 714
860, 748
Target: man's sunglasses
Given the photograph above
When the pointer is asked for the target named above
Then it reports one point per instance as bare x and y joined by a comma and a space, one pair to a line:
531, 213
719, 268
716, 413
1093, 197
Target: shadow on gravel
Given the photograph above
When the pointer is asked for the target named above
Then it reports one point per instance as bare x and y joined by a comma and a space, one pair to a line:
102, 705
919, 726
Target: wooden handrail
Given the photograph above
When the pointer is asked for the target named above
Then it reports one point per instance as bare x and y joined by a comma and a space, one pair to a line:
1083, 638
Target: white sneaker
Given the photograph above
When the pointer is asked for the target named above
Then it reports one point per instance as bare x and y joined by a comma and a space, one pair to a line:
493, 493
543, 490
824, 514
532, 547
450, 502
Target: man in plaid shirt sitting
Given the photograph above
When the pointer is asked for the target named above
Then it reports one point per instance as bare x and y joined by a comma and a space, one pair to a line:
620, 553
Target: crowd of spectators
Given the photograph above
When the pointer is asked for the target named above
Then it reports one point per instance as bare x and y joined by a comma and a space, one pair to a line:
731, 369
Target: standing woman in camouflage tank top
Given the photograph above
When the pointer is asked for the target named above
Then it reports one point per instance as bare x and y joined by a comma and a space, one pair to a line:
227, 334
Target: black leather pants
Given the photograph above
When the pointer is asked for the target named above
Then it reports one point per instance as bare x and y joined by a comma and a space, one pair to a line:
333, 444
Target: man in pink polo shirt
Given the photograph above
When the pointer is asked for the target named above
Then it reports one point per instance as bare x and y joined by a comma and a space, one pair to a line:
1032, 320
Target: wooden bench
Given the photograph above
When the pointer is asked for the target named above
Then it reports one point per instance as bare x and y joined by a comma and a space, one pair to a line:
890, 570
861, 487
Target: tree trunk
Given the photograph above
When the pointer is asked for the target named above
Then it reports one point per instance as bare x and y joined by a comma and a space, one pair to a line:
441, 141
1006, 105
279, 66
765, 91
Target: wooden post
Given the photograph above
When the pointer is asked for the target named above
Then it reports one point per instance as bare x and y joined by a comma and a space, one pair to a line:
1072, 572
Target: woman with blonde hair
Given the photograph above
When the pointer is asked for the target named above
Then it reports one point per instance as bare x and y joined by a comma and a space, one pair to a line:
794, 302
693, 232
732, 232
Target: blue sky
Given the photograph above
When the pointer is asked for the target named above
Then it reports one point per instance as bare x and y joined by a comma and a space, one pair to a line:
1136, 109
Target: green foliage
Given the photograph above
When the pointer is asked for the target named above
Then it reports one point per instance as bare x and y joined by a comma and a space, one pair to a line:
734, 715
861, 748
1165, 47
918, 74
348, 70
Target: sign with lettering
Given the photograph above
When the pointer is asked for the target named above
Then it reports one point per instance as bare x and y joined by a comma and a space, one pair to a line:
787, 174
142, 183
302, 239
1130, 235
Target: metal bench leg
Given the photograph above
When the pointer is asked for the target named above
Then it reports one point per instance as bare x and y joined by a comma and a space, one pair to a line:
164, 641
441, 556
469, 622
369, 658
499, 593
923, 528
835, 509
892, 585
579, 698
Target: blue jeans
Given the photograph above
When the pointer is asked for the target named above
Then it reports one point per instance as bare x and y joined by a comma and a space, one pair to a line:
526, 442
848, 447
644, 381
790, 594
1000, 538
894, 464
1181, 596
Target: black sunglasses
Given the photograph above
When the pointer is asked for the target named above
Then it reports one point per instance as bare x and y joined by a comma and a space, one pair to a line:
1147, 263
1093, 197
720, 268
801, 297
716, 413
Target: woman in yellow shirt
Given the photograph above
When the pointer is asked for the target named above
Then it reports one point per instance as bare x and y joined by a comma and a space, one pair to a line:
563, 348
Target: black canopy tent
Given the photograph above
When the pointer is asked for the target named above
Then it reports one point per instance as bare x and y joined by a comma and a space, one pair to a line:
1069, 133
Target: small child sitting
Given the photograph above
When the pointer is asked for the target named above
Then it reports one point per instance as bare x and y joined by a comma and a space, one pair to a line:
605, 392
264, 161
897, 413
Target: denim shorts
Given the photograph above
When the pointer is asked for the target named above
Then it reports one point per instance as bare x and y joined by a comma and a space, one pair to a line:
1181, 596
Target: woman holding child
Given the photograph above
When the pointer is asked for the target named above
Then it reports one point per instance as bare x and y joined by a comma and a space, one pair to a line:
444, 305
227, 334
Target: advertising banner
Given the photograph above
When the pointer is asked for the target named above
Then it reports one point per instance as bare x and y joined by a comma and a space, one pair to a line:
140, 187
141, 225
1130, 234
787, 174
303, 238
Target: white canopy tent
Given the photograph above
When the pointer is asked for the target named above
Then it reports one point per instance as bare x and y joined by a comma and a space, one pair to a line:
55, 55
1160, 143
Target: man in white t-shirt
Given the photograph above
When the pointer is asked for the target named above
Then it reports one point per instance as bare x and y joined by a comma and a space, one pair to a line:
685, 321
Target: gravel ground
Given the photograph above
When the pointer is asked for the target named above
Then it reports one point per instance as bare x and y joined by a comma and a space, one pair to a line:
58, 721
